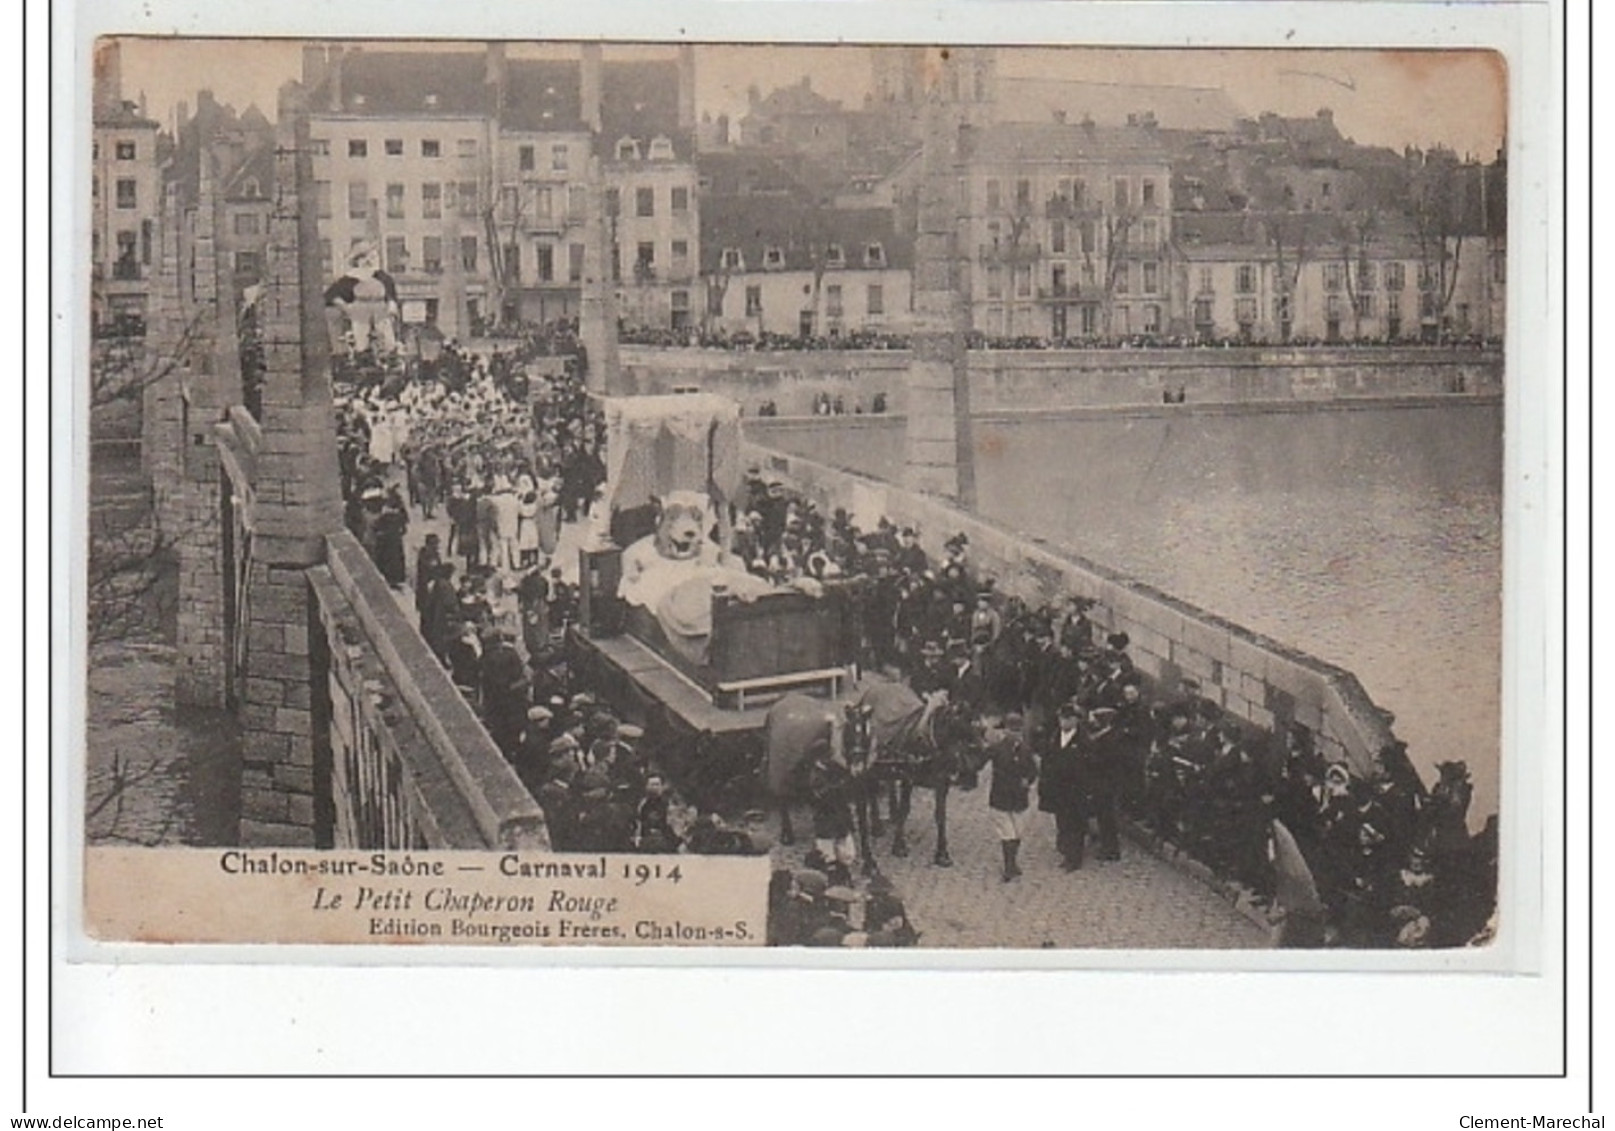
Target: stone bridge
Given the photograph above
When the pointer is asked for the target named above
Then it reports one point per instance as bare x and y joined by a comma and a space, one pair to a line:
353, 735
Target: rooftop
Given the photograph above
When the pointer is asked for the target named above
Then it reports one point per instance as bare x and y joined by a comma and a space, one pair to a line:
801, 232
543, 95
795, 100
1056, 142
638, 99
394, 83
1110, 104
125, 115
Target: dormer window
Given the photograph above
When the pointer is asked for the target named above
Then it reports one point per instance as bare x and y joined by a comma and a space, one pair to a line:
627, 150
773, 258
732, 260
833, 256
249, 188
875, 255
661, 149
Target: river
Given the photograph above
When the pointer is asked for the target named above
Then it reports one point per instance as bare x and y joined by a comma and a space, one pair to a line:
1370, 537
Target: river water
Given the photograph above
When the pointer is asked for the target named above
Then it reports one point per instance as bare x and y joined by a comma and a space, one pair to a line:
1368, 537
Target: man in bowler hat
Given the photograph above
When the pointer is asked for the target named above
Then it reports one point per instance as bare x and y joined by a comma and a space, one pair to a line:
1061, 789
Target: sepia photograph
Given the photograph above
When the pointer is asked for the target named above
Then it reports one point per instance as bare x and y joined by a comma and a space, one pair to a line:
847, 497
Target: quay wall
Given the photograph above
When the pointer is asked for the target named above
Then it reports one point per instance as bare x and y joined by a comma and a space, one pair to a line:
1258, 679
1010, 380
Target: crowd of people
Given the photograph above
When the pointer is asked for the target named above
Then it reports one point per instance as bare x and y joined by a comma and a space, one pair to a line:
861, 339
717, 338
1063, 712
509, 456
824, 404
1387, 860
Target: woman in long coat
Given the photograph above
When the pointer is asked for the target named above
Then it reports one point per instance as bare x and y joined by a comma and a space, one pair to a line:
549, 511
390, 526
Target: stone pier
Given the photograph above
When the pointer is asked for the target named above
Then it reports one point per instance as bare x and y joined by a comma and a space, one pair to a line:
296, 504
211, 382
938, 452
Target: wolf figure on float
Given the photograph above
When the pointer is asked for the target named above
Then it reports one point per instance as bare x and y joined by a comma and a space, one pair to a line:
675, 570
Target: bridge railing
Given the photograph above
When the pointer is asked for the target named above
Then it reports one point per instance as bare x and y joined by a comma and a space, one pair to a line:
1260, 680
411, 764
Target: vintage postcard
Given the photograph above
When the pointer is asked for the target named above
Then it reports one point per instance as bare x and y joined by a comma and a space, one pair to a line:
851, 497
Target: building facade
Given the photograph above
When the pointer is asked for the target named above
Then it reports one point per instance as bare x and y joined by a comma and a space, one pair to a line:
1390, 291
473, 179
776, 261
1067, 230
125, 203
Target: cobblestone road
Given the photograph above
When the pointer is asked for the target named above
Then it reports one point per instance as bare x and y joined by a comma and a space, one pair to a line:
1137, 902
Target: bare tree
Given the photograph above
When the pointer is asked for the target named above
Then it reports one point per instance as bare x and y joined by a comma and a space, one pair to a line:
1436, 200
1020, 252
123, 370
129, 563
129, 557
816, 236
1118, 227
717, 287
1354, 233
503, 267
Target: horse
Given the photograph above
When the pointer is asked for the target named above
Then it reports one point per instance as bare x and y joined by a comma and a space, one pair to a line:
925, 742
796, 723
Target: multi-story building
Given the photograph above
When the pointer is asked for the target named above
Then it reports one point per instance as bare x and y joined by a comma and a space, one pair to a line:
248, 193
474, 179
775, 261
647, 135
1379, 286
1068, 230
125, 202
543, 148
402, 152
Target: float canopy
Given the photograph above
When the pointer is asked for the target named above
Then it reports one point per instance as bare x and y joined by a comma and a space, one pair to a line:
656, 445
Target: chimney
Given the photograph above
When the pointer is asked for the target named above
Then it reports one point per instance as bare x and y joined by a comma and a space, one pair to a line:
1088, 124
1059, 116
686, 86
108, 77
315, 67
590, 79
494, 79
1148, 120
335, 59
1132, 119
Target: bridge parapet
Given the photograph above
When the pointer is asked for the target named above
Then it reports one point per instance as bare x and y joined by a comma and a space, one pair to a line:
1264, 682
411, 764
